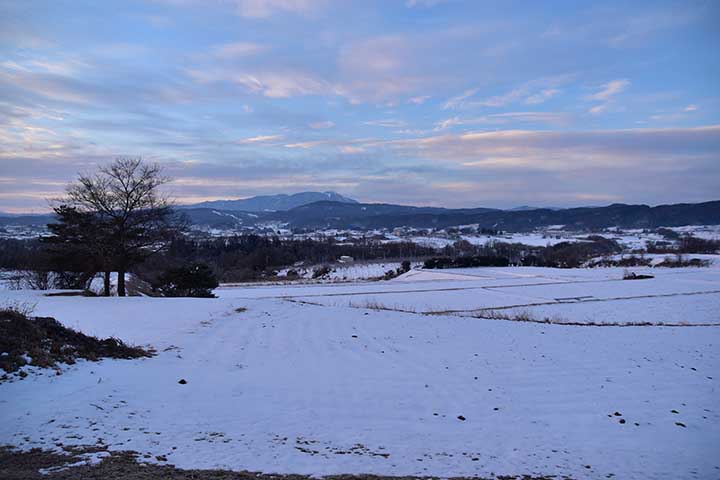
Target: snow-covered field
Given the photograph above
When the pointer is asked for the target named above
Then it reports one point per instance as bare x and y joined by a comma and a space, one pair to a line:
629, 239
308, 380
344, 272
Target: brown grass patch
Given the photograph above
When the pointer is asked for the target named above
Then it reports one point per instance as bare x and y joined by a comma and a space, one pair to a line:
45, 342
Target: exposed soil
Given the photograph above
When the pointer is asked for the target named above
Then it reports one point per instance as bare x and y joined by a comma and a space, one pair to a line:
16, 465
45, 342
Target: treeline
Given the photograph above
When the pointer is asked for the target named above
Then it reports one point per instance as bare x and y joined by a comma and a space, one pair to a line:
463, 254
26, 254
254, 257
685, 244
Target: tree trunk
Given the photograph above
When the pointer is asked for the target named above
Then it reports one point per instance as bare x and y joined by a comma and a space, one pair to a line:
121, 282
106, 283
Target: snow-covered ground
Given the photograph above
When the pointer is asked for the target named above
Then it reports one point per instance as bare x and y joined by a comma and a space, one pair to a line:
306, 380
350, 271
630, 240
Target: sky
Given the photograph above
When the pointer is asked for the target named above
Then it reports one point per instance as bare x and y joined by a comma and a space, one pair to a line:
425, 102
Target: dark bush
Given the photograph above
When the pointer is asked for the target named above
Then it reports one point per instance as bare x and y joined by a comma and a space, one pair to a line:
667, 233
631, 261
680, 261
467, 262
321, 271
195, 280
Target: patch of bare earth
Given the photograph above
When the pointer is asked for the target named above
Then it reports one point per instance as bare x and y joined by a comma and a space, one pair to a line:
39, 464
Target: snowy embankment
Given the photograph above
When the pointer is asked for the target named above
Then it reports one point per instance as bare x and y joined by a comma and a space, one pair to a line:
305, 381
339, 272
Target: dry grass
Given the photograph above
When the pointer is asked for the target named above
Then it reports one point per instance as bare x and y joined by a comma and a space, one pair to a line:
378, 306
527, 316
16, 465
45, 342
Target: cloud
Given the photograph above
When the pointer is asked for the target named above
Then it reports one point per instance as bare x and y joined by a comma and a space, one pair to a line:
459, 100
502, 168
542, 96
268, 8
272, 84
322, 125
610, 89
533, 92
419, 100
691, 108
607, 94
385, 68
309, 144
237, 50
646, 149
505, 118
423, 3
350, 149
598, 109
448, 122
387, 123
259, 139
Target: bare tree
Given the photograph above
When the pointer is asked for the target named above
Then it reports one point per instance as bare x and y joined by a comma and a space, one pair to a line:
135, 219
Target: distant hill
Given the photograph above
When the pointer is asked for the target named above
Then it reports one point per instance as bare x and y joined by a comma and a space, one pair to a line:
25, 220
528, 207
370, 215
220, 219
273, 203
366, 216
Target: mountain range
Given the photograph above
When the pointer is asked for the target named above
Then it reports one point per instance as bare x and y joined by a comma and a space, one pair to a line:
304, 211
273, 203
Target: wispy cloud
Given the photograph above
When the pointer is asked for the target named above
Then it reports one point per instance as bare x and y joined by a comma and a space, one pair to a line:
259, 139
607, 94
322, 125
419, 100
268, 8
272, 84
532, 93
237, 50
387, 123
542, 96
611, 89
459, 100
423, 3
553, 118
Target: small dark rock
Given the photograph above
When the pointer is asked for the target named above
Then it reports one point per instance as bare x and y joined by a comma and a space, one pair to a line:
680, 424
182, 381
622, 420
617, 414
674, 411
460, 417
